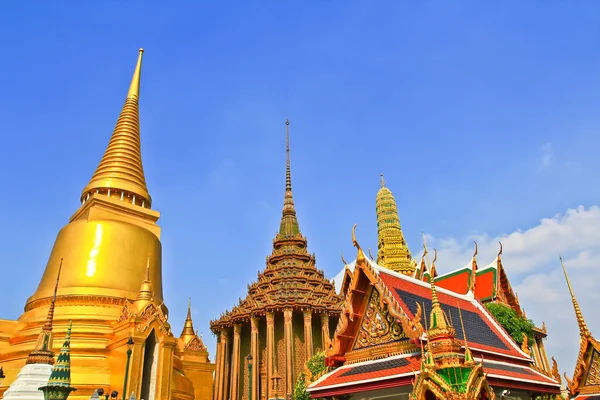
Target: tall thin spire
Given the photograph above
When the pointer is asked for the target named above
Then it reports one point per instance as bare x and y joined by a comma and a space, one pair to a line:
392, 251
288, 174
42, 352
120, 173
583, 329
289, 223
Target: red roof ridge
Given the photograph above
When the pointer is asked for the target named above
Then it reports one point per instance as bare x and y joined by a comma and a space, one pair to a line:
488, 361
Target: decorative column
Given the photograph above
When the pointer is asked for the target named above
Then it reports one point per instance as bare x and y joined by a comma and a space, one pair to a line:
270, 348
235, 362
255, 357
544, 355
325, 332
308, 341
289, 351
217, 394
226, 369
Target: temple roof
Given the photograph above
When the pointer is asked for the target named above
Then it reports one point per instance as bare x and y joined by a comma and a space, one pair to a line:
401, 371
412, 350
290, 279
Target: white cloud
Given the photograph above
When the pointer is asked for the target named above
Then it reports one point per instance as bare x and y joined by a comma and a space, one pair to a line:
547, 154
530, 258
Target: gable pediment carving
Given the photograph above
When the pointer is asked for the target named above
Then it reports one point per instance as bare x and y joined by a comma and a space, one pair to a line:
144, 317
378, 325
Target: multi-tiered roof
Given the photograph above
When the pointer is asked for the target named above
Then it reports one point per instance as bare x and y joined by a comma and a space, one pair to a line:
291, 278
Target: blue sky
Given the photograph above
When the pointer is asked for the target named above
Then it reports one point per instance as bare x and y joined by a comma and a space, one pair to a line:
483, 116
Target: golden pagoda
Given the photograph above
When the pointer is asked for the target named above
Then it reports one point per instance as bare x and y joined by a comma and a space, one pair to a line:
111, 287
392, 251
288, 314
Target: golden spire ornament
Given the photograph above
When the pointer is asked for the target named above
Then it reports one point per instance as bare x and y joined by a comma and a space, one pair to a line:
120, 172
583, 329
392, 251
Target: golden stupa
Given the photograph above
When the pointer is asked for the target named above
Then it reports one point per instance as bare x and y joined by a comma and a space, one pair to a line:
111, 287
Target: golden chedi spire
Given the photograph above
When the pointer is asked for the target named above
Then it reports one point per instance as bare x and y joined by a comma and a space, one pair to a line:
392, 250
42, 353
120, 171
289, 226
583, 329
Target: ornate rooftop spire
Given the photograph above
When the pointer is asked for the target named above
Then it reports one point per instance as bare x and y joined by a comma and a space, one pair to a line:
392, 250
473, 279
59, 384
42, 353
188, 326
289, 223
120, 172
145, 294
439, 324
583, 329
360, 257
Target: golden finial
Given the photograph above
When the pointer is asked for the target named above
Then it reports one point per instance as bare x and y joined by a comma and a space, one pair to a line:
134, 88
360, 257
583, 329
425, 252
189, 313
288, 177
120, 168
382, 180
434, 298
500, 251
472, 282
371, 255
344, 261
432, 270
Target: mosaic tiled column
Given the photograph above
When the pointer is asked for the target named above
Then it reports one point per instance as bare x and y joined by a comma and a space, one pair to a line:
308, 341
255, 357
325, 332
289, 351
235, 362
270, 347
